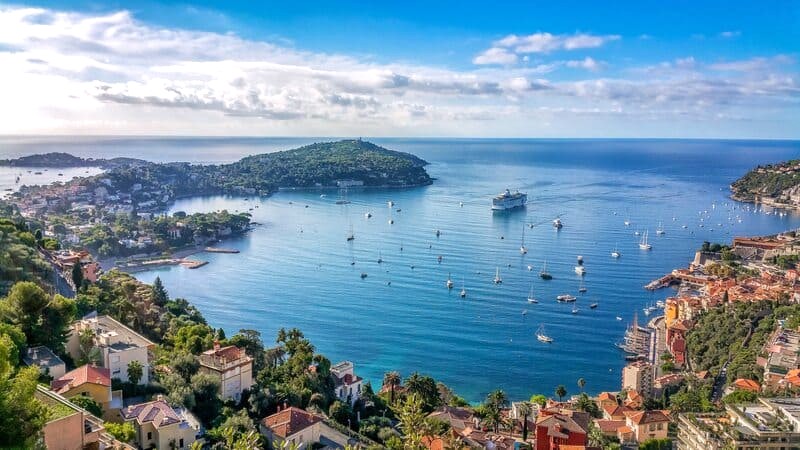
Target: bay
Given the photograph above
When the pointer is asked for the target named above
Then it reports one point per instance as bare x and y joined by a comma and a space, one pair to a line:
295, 270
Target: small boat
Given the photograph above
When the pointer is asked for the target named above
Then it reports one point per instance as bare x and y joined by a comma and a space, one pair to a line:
566, 298
449, 282
530, 268
557, 223
439, 259
524, 312
363, 275
37, 173
463, 289
580, 270
461, 204
380, 258
497, 279
593, 305
367, 215
582, 287
544, 274
627, 222
61, 174
643, 243
615, 253
531, 298
391, 221
390, 203
575, 310
542, 337
438, 233
342, 202
619, 318
522, 249
660, 230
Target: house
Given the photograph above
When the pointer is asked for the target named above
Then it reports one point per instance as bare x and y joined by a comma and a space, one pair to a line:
159, 425
93, 382
292, 425
558, 427
232, 366
347, 383
744, 384
646, 425
69, 427
458, 418
615, 412
606, 399
118, 345
48, 362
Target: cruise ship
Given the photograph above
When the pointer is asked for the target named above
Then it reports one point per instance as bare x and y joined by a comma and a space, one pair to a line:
507, 200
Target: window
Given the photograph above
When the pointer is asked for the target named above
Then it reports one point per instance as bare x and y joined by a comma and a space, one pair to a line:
180, 443
149, 435
660, 426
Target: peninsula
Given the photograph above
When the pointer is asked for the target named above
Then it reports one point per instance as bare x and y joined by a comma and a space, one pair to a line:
63, 160
773, 184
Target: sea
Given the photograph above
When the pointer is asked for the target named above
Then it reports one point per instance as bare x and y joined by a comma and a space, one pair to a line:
296, 268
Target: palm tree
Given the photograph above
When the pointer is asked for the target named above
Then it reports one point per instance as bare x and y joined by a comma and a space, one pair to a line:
524, 409
581, 384
497, 398
391, 379
561, 391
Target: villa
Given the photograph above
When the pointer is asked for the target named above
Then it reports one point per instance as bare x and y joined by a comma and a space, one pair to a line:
118, 345
159, 425
348, 384
93, 382
232, 366
48, 362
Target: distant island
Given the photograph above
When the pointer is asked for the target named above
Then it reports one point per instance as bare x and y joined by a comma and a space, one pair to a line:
65, 160
774, 184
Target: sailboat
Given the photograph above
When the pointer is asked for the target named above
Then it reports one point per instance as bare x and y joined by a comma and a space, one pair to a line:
615, 253
541, 336
497, 279
449, 282
350, 235
463, 289
522, 249
380, 258
660, 229
643, 243
582, 287
544, 274
575, 310
531, 298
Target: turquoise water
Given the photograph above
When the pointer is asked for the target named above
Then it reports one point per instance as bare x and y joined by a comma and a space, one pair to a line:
295, 270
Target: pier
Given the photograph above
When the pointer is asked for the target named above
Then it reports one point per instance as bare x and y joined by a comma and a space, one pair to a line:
662, 282
220, 250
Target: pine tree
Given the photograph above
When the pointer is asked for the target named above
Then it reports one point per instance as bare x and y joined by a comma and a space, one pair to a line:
160, 296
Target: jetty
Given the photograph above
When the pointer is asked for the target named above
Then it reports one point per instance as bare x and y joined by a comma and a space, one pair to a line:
662, 282
193, 264
220, 250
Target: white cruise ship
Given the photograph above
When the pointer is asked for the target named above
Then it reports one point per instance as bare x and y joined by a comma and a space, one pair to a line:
507, 200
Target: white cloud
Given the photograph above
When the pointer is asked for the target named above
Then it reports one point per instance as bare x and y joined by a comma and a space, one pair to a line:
547, 42
495, 55
730, 34
587, 63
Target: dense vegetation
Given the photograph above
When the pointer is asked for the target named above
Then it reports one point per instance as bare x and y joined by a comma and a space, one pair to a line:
766, 180
19, 257
736, 333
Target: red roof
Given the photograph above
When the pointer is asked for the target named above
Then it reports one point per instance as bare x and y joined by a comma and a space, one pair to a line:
80, 376
747, 385
645, 417
609, 426
157, 412
289, 421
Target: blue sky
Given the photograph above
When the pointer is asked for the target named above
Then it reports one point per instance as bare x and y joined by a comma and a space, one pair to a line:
523, 69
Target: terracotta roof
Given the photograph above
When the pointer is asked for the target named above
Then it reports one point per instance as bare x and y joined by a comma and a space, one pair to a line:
606, 396
433, 443
231, 352
557, 423
625, 430
645, 417
616, 410
609, 426
747, 385
289, 421
158, 412
349, 379
458, 418
82, 375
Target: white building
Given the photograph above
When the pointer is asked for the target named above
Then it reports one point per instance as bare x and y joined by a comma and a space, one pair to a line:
118, 345
233, 367
348, 384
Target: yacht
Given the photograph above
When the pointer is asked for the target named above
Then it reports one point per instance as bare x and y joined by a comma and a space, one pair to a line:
530, 268
497, 279
566, 298
350, 235
463, 289
580, 270
660, 229
531, 298
557, 223
544, 274
615, 253
541, 336
593, 305
627, 222
575, 310
449, 282
582, 287
643, 243
619, 318
507, 200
